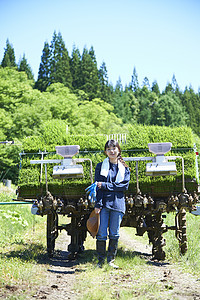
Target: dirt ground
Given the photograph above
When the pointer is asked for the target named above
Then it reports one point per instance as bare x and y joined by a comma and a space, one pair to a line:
184, 286
61, 274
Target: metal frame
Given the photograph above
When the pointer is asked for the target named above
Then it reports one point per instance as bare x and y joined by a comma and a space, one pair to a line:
151, 158
57, 161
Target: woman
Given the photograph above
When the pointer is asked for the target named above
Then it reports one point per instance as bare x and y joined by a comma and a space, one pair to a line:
112, 177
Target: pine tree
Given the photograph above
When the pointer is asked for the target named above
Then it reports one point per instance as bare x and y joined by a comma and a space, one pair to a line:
60, 62
122, 102
43, 80
145, 103
92, 55
174, 83
117, 98
75, 66
119, 87
168, 88
89, 74
104, 86
134, 86
175, 86
55, 64
146, 83
191, 103
24, 67
9, 56
155, 88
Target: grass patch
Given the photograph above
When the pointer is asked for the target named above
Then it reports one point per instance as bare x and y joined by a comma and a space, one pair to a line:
191, 260
133, 279
131, 231
22, 246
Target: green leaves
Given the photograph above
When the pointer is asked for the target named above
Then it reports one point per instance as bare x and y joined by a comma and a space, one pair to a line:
169, 111
13, 217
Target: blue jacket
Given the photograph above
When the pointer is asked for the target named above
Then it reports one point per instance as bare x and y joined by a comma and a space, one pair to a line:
111, 194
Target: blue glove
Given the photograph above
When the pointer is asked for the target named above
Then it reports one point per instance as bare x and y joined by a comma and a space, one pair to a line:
91, 190
34, 209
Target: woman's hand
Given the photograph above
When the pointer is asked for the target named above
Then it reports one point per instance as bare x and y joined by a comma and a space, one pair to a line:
99, 184
97, 210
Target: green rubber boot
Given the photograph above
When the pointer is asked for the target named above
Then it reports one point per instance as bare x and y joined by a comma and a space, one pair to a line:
112, 252
101, 252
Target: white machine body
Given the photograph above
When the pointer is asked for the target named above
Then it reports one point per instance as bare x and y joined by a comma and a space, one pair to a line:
160, 166
68, 167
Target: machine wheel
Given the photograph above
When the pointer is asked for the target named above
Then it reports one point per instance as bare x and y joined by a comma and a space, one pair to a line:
52, 232
155, 236
78, 235
157, 250
181, 232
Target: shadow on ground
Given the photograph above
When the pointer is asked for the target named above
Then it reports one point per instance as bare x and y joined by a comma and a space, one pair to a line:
37, 252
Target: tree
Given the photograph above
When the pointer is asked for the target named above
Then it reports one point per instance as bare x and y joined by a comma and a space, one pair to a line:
54, 131
9, 56
6, 123
174, 84
9, 162
24, 67
155, 88
14, 88
92, 55
60, 62
104, 86
122, 101
61, 102
89, 74
134, 82
191, 103
134, 107
27, 119
75, 67
168, 88
146, 100
95, 116
146, 83
22, 108
43, 80
175, 87
169, 111
55, 64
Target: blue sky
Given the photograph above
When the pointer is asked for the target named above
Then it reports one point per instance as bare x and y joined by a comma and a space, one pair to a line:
158, 37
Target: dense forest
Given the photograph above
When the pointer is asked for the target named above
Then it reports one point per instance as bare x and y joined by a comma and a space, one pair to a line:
71, 93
